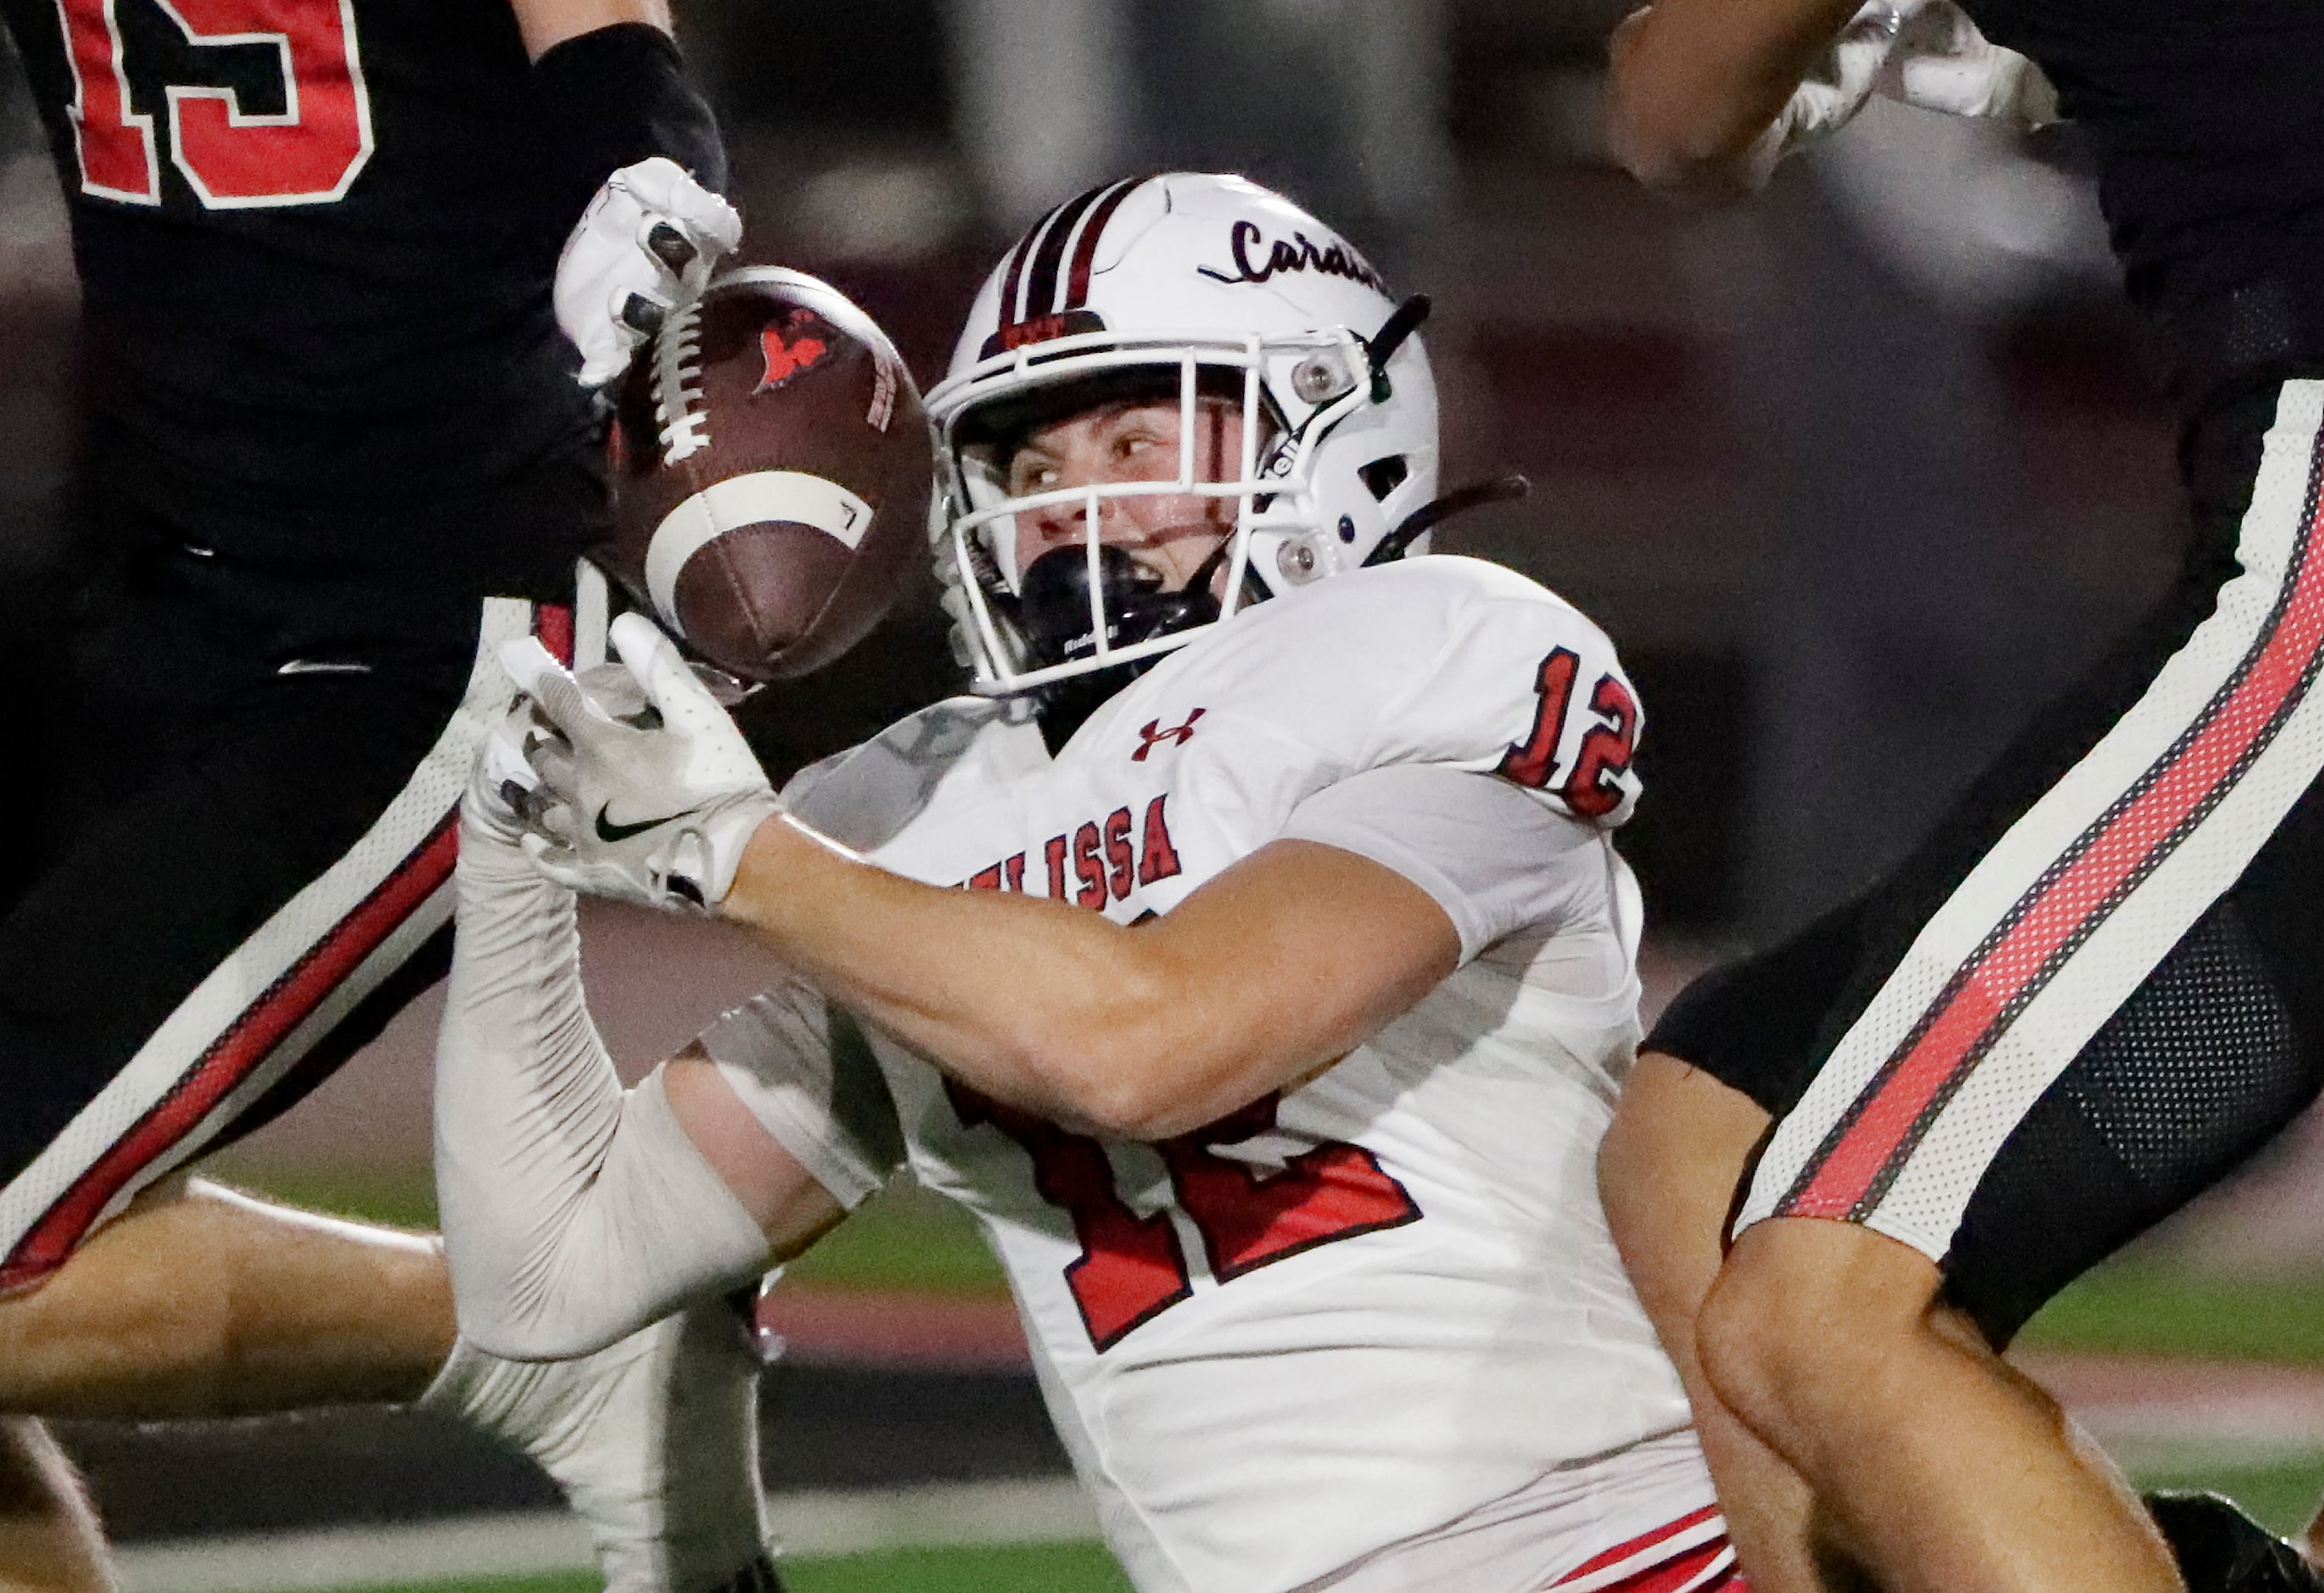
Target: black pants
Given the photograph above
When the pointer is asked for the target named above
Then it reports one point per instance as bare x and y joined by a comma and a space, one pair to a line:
250, 837
2093, 991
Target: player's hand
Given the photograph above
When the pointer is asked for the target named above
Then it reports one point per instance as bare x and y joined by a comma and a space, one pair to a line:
1829, 97
503, 793
644, 247
647, 791
1943, 63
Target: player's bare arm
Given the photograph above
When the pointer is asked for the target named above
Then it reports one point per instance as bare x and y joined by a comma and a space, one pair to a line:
1694, 82
1706, 99
546, 24
1666, 1173
791, 1207
1268, 973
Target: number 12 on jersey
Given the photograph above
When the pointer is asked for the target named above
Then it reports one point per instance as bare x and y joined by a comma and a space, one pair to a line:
1592, 787
307, 154
1132, 1268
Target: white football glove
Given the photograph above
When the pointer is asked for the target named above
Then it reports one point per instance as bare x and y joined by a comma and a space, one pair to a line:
1829, 96
503, 791
646, 791
1923, 52
1943, 63
644, 247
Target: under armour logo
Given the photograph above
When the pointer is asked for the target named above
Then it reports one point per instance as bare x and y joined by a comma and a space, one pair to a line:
1153, 736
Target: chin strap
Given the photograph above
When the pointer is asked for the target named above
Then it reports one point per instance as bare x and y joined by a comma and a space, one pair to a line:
1208, 571
1501, 489
1053, 611
1381, 346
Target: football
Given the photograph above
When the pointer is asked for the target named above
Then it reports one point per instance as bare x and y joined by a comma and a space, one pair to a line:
771, 467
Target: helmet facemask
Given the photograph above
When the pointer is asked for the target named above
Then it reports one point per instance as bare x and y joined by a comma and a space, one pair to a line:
1087, 608
1216, 291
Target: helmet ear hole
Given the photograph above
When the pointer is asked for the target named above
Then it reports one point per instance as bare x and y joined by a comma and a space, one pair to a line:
1383, 476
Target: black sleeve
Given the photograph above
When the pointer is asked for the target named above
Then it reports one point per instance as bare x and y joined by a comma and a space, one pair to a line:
1753, 1025
613, 96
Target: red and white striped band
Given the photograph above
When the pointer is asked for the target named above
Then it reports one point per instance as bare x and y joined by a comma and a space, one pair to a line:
1689, 1555
2066, 916
277, 994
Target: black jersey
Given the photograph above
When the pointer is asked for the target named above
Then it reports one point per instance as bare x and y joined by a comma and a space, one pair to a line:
314, 255
2208, 122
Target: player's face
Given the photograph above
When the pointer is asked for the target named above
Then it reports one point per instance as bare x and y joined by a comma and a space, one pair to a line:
1130, 440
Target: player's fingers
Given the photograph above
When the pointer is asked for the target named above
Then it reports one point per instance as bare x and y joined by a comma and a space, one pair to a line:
641, 312
651, 181
555, 863
715, 226
663, 674
660, 184
605, 357
670, 245
561, 703
635, 639
678, 255
685, 258
554, 822
552, 769
502, 766
651, 658
526, 662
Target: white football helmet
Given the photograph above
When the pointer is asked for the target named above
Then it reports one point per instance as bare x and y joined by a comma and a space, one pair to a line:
1201, 285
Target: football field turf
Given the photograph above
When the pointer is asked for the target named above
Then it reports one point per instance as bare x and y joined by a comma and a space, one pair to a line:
2137, 1309
2281, 1492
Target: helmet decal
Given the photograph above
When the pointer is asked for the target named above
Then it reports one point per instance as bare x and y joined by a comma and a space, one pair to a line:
1035, 307
1296, 253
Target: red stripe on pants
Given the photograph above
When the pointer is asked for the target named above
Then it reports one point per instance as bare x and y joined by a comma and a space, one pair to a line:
235, 1054
2049, 918
1641, 1543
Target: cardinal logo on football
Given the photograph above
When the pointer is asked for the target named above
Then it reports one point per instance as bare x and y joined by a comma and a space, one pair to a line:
791, 346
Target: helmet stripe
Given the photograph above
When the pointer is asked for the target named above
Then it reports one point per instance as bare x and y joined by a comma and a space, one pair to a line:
1009, 313
1041, 288
1093, 230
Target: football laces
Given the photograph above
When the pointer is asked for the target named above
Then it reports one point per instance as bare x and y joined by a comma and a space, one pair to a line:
683, 418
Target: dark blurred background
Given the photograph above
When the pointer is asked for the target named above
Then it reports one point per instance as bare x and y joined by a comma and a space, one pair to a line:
1857, 475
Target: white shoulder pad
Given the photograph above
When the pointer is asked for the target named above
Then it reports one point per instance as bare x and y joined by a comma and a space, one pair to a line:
863, 797
1438, 659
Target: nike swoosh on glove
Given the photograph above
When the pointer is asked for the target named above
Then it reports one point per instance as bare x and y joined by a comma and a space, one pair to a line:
645, 246
648, 798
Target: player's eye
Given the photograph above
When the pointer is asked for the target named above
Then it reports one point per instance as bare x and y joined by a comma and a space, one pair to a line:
1139, 448
1030, 475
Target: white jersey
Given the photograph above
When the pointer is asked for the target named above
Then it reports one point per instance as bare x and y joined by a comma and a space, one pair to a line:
1338, 1320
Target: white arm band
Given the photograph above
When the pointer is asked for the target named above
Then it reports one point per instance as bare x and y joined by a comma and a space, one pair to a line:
574, 1213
